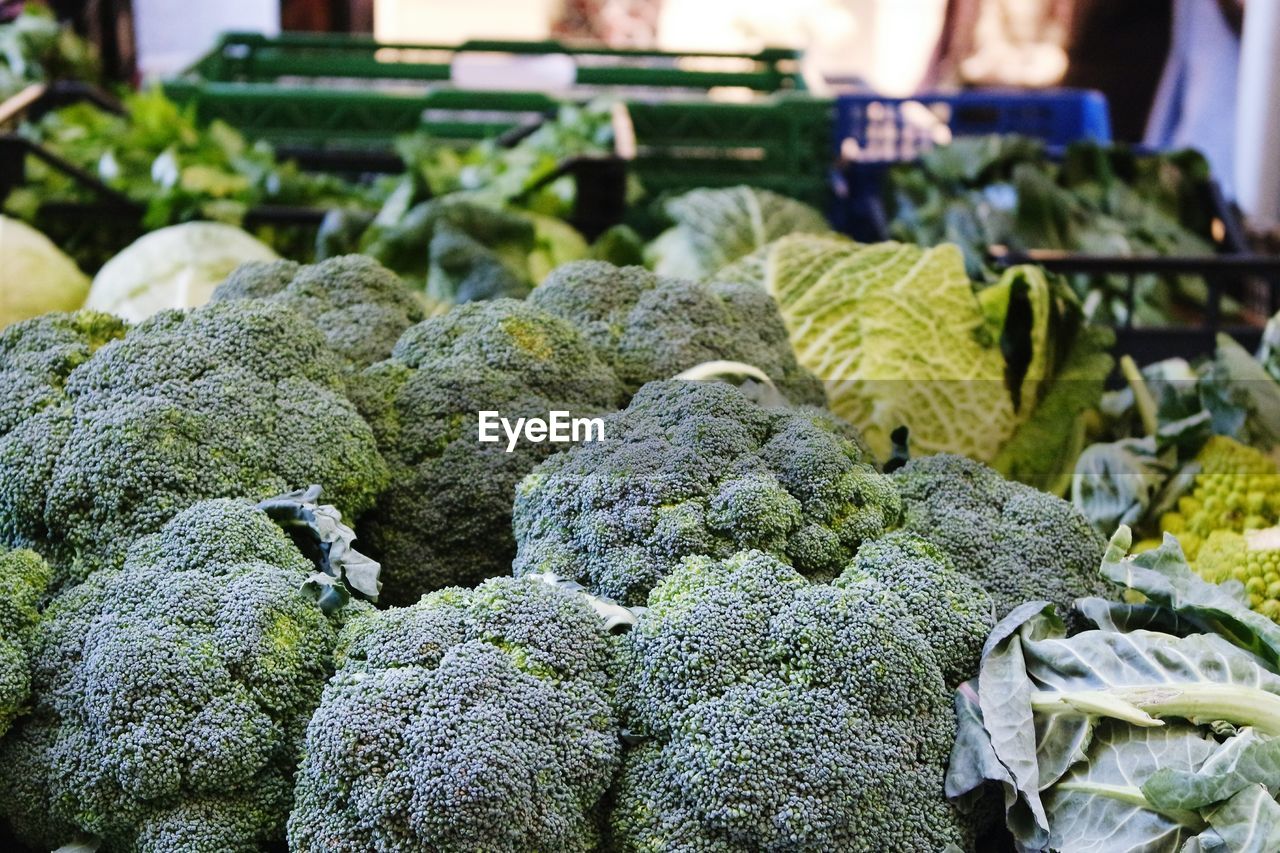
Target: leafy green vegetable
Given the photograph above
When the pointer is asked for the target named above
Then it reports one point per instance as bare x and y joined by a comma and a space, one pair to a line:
497, 175
1117, 482
1151, 732
902, 338
714, 227
1171, 411
35, 48
1005, 191
159, 156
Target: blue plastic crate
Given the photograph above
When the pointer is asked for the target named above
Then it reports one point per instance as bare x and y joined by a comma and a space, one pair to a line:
873, 132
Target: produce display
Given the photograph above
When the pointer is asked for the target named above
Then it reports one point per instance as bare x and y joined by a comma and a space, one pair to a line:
447, 530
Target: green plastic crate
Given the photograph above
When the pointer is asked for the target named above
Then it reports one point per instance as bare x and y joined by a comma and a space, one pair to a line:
338, 92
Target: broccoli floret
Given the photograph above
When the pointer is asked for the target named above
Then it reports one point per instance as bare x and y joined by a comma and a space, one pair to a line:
172, 693
697, 468
36, 357
777, 714
1019, 543
949, 608
361, 307
24, 577
1237, 489
648, 327
235, 399
446, 518
474, 720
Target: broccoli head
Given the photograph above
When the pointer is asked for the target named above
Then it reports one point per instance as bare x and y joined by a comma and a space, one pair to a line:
235, 399
777, 714
1019, 543
695, 468
172, 693
446, 518
648, 327
361, 307
24, 577
474, 720
950, 609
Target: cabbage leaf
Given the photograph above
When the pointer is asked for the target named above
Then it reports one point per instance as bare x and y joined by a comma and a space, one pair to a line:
714, 227
902, 338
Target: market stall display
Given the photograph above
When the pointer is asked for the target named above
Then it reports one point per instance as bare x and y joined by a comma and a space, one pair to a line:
479, 483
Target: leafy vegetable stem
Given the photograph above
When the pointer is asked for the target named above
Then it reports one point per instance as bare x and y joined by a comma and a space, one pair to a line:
1201, 704
1133, 796
1142, 398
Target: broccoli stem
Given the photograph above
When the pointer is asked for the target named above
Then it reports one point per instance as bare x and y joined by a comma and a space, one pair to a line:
1200, 704
1134, 797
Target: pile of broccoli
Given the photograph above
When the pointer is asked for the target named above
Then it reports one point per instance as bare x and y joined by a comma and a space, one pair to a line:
721, 627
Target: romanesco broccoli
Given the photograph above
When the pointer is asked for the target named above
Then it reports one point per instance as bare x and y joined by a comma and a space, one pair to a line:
1237, 489
1252, 558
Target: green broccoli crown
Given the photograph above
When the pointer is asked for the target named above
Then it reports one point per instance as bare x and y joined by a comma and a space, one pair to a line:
361, 307
649, 327
777, 714
172, 693
950, 609
446, 518
695, 468
474, 720
1019, 543
24, 577
183, 408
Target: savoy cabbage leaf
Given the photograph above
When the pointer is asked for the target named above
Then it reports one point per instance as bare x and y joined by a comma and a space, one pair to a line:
902, 338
